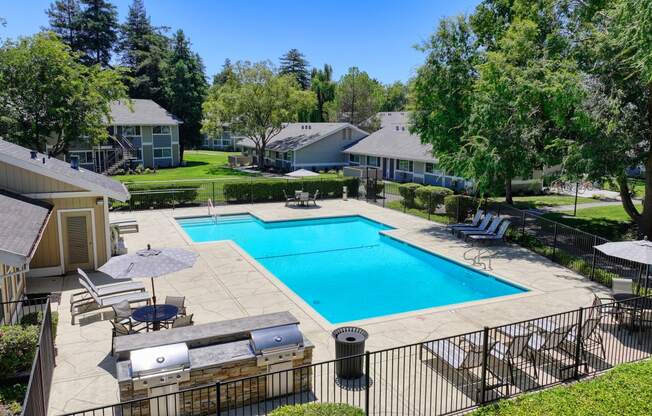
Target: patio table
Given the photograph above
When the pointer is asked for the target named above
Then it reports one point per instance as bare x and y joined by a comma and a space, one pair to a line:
634, 305
155, 314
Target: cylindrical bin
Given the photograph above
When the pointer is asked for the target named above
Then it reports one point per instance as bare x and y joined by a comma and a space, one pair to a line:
345, 193
349, 341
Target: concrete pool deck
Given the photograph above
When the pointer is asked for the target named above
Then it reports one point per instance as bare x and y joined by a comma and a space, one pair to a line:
227, 283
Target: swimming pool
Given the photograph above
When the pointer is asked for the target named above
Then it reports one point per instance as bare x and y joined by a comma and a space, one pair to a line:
346, 269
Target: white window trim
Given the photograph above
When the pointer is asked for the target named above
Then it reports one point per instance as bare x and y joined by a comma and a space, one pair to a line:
163, 134
398, 164
154, 149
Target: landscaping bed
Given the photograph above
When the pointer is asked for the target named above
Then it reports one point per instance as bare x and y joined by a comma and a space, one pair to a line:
318, 409
625, 390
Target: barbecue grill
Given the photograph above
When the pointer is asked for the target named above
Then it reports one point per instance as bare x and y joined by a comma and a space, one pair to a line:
159, 366
277, 344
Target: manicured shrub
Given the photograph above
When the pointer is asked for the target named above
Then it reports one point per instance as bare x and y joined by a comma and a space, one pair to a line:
161, 194
318, 409
269, 190
11, 399
430, 197
459, 207
17, 348
408, 192
35, 318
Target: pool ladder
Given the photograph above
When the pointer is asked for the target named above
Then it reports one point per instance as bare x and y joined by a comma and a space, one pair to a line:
476, 254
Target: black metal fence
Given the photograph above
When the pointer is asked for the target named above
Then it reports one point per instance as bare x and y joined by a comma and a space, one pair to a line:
36, 311
436, 377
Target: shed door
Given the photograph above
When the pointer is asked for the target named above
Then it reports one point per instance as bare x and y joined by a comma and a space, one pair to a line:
77, 240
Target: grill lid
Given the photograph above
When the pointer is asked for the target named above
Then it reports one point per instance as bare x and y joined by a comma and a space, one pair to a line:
159, 359
276, 337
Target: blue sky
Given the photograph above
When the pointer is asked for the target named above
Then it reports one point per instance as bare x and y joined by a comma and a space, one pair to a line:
376, 36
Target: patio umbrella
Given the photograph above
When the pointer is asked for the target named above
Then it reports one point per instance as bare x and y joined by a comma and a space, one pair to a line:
301, 173
149, 263
637, 251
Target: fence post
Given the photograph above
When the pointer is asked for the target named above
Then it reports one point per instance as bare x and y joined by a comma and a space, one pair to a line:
485, 356
213, 193
523, 224
578, 343
595, 243
457, 211
554, 242
367, 381
384, 193
429, 204
173, 196
251, 191
218, 398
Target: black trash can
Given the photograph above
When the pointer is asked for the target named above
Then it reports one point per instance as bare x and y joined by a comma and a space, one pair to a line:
349, 341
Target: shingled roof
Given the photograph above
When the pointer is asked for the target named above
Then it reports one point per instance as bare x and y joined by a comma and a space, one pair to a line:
141, 113
394, 141
19, 156
22, 221
295, 136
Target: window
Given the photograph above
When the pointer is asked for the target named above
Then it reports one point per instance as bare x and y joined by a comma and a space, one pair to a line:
373, 161
405, 165
131, 130
162, 153
430, 168
354, 159
161, 130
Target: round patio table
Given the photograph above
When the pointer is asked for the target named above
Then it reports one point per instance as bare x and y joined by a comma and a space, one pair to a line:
154, 314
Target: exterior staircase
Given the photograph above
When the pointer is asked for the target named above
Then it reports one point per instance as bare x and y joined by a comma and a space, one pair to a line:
125, 154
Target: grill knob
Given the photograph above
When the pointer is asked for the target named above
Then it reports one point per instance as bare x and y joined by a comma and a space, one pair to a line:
278, 338
160, 360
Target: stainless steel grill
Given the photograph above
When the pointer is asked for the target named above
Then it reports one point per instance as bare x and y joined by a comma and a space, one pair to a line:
157, 366
277, 344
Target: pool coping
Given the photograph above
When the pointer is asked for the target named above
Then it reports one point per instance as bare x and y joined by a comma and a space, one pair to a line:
316, 316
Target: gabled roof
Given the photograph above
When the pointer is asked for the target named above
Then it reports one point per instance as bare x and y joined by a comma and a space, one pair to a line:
396, 142
388, 118
141, 113
22, 221
295, 136
19, 156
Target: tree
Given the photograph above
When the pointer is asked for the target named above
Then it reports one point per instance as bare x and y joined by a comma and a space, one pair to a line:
98, 31
295, 64
143, 51
185, 89
357, 97
394, 97
69, 100
321, 83
64, 19
256, 104
225, 75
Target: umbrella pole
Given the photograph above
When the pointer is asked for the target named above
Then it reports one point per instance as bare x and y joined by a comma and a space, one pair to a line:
153, 291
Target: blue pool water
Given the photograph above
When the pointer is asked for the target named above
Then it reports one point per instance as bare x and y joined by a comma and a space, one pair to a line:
346, 269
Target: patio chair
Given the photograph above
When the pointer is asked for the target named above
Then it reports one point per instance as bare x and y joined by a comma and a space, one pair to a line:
498, 236
107, 301
511, 351
288, 199
547, 342
123, 312
590, 340
490, 231
604, 306
119, 330
179, 302
182, 321
314, 197
486, 220
474, 222
103, 290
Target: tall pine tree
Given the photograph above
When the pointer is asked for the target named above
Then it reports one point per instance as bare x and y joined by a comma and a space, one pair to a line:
64, 19
324, 88
186, 88
98, 31
227, 73
294, 63
143, 51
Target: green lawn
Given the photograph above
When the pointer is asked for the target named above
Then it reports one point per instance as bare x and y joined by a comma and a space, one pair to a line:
396, 205
626, 390
536, 201
610, 222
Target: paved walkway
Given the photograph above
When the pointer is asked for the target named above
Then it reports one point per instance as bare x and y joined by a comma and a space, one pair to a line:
227, 283
565, 208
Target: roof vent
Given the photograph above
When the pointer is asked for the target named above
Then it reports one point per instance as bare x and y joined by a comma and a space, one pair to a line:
302, 127
403, 128
33, 154
309, 127
397, 128
74, 162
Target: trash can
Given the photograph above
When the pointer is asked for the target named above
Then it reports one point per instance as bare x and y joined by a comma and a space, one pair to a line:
349, 341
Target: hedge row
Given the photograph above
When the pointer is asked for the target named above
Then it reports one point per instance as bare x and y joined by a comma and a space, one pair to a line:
271, 190
423, 196
162, 194
459, 207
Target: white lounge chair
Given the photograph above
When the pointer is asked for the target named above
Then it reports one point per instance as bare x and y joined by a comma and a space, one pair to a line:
103, 290
125, 225
491, 230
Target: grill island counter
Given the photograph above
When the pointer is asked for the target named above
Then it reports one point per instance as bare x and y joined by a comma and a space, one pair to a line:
156, 363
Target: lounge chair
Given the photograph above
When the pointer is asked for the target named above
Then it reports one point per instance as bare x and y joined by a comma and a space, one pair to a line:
101, 291
491, 230
497, 236
105, 301
486, 220
474, 222
513, 349
288, 199
590, 340
314, 197
547, 342
125, 225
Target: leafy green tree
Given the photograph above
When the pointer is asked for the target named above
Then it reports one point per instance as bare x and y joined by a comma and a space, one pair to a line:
143, 51
395, 97
185, 89
68, 101
98, 31
321, 83
295, 64
357, 97
256, 104
64, 19
226, 74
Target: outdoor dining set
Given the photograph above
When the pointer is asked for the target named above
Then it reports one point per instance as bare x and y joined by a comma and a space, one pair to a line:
301, 198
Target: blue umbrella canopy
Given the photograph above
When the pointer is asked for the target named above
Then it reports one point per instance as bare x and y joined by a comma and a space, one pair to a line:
149, 263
